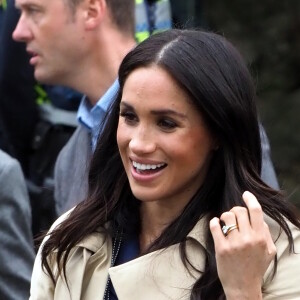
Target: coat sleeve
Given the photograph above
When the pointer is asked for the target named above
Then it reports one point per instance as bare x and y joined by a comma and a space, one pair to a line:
42, 286
286, 283
16, 251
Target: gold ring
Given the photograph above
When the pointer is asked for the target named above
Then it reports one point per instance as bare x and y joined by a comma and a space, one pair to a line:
226, 229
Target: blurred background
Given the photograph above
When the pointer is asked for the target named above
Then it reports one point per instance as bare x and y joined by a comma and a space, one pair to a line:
268, 35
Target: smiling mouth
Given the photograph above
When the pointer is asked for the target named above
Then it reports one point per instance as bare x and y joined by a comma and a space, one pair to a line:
147, 168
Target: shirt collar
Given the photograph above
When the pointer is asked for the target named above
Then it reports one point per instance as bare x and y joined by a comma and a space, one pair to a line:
91, 117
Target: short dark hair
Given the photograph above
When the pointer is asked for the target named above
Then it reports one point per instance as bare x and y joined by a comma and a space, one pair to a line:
72, 4
123, 15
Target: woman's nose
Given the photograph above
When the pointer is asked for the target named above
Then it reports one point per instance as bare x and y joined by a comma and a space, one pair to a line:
142, 142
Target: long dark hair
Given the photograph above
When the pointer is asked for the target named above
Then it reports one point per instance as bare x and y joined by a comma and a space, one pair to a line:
213, 74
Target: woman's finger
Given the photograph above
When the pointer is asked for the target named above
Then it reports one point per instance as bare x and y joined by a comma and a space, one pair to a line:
270, 243
230, 221
216, 232
255, 211
242, 218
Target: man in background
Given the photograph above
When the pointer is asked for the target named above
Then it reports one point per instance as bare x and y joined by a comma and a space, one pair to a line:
35, 120
85, 55
79, 44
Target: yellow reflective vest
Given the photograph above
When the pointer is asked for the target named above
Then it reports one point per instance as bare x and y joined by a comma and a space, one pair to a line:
151, 18
3, 4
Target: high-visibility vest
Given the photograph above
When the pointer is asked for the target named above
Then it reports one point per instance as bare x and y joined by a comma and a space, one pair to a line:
50, 113
42, 96
3, 4
152, 18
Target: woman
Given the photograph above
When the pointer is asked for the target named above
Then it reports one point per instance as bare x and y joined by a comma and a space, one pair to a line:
179, 157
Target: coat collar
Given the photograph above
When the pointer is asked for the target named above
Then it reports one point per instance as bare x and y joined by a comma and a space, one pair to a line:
198, 232
95, 240
162, 273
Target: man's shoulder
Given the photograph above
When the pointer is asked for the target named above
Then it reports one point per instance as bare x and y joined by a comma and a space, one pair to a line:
5, 158
7, 163
76, 153
71, 169
78, 142
79, 135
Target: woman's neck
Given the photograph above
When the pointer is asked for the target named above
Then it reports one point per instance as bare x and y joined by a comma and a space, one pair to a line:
154, 219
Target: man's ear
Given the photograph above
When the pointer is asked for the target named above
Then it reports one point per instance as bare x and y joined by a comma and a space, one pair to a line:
95, 12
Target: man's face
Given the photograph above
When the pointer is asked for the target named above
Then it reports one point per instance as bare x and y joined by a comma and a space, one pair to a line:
53, 35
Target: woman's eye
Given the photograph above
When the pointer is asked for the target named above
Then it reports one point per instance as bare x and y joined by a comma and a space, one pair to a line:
129, 117
167, 124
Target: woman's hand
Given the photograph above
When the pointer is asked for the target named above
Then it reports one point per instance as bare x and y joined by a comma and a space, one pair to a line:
244, 254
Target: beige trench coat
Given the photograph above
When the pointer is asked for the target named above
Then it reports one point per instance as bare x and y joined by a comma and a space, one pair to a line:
156, 276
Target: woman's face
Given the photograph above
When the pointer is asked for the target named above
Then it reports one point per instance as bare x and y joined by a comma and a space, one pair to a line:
163, 141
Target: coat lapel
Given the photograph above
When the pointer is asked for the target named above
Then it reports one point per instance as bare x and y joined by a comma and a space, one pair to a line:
161, 275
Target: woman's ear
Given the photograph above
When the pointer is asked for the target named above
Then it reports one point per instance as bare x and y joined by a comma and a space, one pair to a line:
95, 13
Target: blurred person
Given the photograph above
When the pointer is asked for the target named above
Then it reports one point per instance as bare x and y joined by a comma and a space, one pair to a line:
36, 120
22, 99
176, 207
16, 251
18, 110
78, 44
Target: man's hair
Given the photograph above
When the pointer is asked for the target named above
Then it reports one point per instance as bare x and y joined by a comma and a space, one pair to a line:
123, 15
72, 4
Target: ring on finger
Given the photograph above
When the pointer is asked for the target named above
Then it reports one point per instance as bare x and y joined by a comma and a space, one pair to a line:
228, 228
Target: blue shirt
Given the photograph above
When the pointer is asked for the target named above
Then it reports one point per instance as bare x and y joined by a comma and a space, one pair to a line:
91, 117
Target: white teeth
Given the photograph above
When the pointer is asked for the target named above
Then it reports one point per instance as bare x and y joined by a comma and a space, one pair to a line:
146, 167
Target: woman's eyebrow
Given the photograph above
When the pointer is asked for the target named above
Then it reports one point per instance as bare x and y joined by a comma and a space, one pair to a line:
165, 111
168, 112
126, 105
